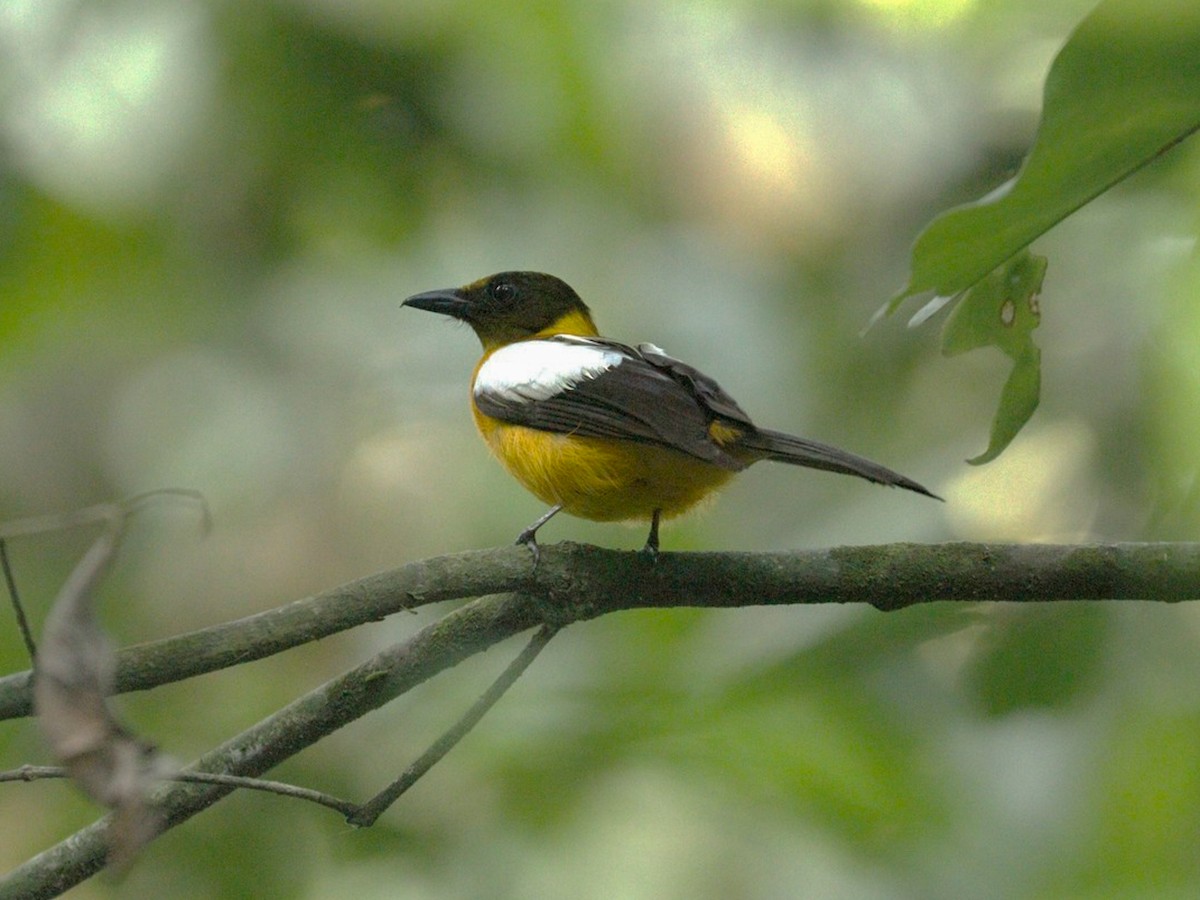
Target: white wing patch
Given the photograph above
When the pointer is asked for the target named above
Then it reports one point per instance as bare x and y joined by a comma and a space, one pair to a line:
528, 371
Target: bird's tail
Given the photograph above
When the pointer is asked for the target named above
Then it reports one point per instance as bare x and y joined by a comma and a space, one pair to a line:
800, 451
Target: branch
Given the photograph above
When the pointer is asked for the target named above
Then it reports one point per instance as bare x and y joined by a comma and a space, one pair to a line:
575, 583
593, 581
369, 599
388, 674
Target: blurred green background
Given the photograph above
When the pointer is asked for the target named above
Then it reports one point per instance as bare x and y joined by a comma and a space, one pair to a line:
209, 214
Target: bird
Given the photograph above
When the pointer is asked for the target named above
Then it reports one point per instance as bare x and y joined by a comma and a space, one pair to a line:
604, 430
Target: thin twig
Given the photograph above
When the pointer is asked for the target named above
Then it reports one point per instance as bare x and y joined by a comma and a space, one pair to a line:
345, 807
33, 773
366, 814
18, 609
101, 512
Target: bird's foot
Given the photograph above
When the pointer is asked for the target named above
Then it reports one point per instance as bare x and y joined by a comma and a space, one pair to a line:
528, 537
650, 551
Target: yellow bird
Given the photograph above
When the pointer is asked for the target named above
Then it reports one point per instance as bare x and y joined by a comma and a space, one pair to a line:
602, 430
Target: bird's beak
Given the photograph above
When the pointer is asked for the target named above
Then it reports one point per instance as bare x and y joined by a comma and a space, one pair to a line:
448, 302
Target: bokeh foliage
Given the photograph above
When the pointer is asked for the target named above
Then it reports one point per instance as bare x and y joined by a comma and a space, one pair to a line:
209, 213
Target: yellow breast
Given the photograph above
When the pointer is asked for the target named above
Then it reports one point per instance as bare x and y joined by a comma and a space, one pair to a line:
599, 478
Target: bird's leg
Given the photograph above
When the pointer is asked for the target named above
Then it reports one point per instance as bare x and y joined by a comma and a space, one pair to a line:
651, 549
528, 537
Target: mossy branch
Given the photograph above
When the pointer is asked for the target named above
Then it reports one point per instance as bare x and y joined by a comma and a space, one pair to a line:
585, 581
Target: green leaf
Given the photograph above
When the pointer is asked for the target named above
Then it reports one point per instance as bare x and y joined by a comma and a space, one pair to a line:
1123, 89
1002, 311
1018, 401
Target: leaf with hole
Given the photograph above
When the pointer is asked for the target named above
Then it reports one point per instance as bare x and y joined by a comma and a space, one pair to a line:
1002, 311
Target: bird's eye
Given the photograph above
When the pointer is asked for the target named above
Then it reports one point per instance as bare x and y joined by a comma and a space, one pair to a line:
503, 291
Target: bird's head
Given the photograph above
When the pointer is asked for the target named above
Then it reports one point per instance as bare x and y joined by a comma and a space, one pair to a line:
512, 306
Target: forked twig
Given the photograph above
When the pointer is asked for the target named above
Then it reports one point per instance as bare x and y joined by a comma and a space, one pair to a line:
366, 814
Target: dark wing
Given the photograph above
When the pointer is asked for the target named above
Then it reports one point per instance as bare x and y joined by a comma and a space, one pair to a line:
647, 397
707, 392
